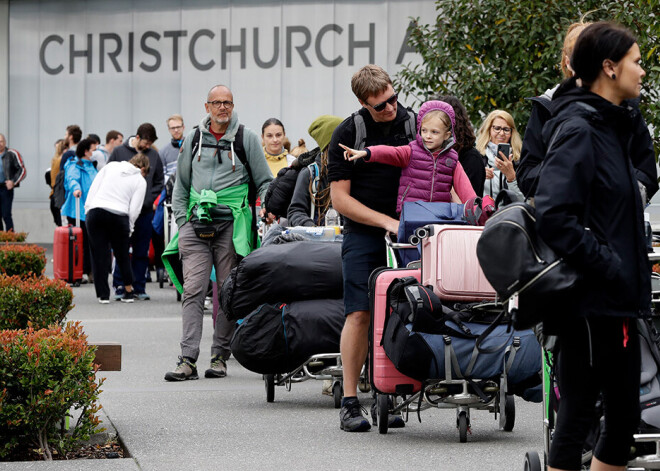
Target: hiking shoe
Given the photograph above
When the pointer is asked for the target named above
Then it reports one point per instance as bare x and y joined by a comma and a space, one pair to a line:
185, 369
351, 418
143, 297
119, 293
218, 368
393, 420
128, 297
104, 301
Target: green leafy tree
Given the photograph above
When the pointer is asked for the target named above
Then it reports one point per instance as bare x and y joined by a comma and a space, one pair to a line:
495, 53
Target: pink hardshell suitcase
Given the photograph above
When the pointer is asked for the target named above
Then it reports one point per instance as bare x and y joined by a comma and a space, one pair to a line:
384, 377
450, 264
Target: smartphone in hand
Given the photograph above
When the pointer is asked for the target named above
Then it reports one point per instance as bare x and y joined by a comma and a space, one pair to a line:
505, 149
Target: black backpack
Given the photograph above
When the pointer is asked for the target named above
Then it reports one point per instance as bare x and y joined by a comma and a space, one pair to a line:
280, 191
412, 303
242, 156
59, 192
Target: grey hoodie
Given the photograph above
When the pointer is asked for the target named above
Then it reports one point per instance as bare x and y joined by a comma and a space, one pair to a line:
208, 173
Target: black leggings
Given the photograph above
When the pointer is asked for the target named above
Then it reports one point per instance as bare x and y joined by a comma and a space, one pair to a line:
108, 230
593, 360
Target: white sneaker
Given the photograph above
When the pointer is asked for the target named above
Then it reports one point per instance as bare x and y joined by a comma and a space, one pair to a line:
104, 301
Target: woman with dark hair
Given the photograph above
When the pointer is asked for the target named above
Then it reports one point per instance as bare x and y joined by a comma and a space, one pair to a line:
78, 176
468, 155
273, 138
589, 210
640, 148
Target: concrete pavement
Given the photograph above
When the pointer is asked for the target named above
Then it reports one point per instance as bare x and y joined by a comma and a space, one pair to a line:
212, 424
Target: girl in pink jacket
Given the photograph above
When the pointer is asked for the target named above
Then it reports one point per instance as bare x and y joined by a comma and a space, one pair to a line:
430, 165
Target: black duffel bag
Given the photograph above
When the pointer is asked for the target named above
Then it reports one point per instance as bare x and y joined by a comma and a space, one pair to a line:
515, 260
277, 338
294, 271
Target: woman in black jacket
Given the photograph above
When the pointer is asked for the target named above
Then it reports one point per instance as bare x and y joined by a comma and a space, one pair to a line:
589, 210
640, 145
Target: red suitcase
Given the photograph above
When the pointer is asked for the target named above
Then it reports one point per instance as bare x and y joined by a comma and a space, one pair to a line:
450, 264
68, 251
384, 377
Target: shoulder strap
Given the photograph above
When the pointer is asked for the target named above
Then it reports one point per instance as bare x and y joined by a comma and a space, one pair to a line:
411, 125
360, 131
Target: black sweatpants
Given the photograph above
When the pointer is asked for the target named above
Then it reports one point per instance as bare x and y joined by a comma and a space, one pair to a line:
108, 230
593, 360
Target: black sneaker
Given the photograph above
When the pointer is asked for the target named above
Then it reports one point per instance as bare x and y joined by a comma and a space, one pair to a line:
128, 297
351, 418
185, 369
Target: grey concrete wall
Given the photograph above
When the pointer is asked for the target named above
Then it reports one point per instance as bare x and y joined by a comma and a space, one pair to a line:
4, 66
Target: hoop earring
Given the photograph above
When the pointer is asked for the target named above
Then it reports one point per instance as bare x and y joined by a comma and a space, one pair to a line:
613, 77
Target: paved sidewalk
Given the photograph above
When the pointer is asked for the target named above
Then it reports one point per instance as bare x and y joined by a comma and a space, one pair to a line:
212, 424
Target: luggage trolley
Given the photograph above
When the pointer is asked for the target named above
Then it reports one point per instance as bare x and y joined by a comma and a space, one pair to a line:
323, 367
396, 393
532, 461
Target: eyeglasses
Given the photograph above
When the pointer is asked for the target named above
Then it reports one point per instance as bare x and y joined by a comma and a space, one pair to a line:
175, 128
380, 107
221, 104
501, 129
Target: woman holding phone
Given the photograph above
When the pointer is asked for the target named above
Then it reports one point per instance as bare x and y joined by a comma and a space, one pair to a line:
499, 142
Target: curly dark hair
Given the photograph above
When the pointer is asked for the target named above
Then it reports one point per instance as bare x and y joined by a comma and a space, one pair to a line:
463, 131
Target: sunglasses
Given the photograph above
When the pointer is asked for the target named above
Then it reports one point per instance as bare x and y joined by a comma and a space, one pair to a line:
380, 107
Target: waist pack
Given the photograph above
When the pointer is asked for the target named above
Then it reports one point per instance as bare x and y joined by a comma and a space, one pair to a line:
412, 303
516, 261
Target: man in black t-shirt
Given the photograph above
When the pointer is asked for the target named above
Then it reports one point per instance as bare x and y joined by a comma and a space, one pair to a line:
365, 194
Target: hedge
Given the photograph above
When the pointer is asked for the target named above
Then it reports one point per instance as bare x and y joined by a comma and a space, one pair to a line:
38, 300
23, 260
11, 236
44, 374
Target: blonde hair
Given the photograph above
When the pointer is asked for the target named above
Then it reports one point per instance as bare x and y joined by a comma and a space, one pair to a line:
441, 115
141, 161
176, 117
483, 135
572, 33
369, 81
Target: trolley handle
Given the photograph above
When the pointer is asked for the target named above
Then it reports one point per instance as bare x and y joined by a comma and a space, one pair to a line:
397, 245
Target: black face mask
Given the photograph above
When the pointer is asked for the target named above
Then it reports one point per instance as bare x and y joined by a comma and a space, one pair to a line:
177, 142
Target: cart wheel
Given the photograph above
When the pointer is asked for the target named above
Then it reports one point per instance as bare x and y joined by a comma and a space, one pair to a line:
337, 393
507, 412
270, 387
532, 461
462, 427
383, 412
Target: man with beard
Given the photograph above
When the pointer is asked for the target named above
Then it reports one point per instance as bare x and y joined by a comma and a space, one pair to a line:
210, 204
141, 142
169, 153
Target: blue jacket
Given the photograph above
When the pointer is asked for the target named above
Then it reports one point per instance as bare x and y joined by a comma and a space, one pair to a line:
77, 176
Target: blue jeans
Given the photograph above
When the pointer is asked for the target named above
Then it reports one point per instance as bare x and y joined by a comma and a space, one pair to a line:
140, 259
6, 200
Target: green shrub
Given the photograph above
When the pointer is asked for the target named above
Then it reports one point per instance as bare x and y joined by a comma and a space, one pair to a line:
44, 374
38, 300
11, 236
23, 260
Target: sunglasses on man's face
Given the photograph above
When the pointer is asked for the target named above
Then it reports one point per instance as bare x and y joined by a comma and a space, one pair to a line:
380, 107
